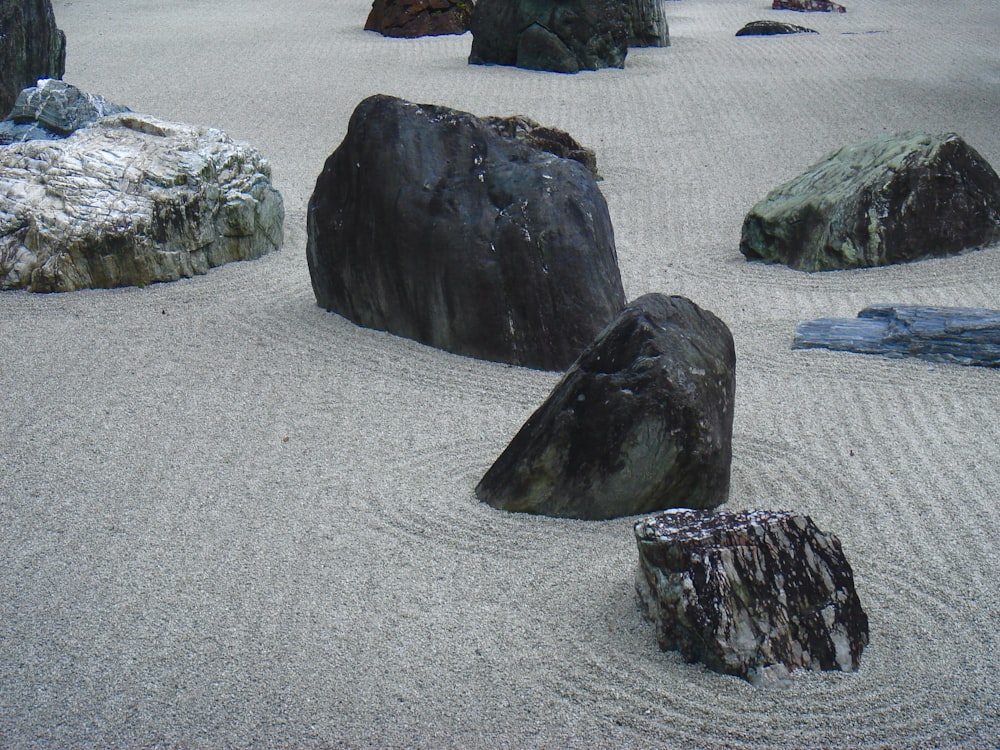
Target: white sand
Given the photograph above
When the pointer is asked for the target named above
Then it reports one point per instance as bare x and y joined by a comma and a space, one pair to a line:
230, 518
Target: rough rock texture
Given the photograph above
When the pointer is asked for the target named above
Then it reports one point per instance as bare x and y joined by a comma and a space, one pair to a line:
414, 18
771, 28
564, 36
962, 335
753, 594
53, 109
131, 200
427, 223
824, 6
554, 141
642, 421
890, 199
648, 24
31, 47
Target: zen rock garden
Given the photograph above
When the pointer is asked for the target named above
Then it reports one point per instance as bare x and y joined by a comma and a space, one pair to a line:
489, 237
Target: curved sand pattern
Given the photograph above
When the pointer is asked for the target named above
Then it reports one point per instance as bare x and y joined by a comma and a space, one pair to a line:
176, 573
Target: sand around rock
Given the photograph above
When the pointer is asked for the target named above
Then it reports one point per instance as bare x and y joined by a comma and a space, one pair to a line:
232, 519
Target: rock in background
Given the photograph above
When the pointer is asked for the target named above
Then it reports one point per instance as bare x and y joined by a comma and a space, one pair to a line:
821, 6
648, 24
131, 200
958, 335
415, 18
53, 109
890, 199
427, 223
31, 47
754, 594
563, 36
642, 421
772, 28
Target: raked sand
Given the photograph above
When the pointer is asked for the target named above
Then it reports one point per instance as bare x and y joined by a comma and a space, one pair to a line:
231, 519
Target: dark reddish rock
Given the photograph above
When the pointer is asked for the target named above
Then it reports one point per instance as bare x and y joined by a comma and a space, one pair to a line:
889, 199
642, 421
772, 28
822, 6
553, 140
755, 594
958, 335
415, 18
428, 223
31, 47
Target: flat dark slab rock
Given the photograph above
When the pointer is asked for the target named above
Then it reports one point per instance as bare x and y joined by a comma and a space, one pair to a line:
962, 335
773, 28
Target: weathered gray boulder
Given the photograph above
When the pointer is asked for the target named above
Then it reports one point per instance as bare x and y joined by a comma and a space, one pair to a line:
822, 6
642, 421
564, 36
427, 223
53, 109
755, 594
648, 24
960, 335
889, 199
31, 47
772, 28
415, 18
131, 200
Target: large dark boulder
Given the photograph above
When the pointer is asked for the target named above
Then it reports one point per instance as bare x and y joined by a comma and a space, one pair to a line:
564, 36
642, 421
428, 223
889, 199
961, 335
755, 594
31, 47
415, 18
53, 109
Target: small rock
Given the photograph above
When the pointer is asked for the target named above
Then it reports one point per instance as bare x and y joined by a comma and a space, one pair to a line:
961, 335
416, 18
755, 594
771, 28
822, 6
53, 109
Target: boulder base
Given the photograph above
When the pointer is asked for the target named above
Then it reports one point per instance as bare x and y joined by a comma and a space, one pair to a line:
755, 594
131, 200
428, 223
890, 199
642, 421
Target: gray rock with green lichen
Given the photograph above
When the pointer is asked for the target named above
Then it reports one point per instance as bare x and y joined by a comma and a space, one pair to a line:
131, 200
890, 199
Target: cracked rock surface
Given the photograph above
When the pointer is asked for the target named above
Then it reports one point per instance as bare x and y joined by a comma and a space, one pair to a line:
131, 200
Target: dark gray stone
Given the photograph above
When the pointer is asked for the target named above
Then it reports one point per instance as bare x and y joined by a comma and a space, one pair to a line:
642, 421
131, 200
960, 335
889, 199
53, 109
755, 594
772, 28
648, 24
822, 6
563, 36
427, 223
31, 47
